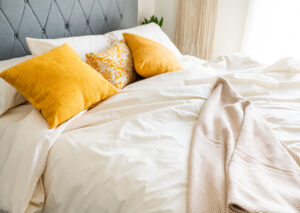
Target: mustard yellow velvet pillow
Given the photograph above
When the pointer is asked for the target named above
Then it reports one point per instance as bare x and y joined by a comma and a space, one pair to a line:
149, 57
59, 84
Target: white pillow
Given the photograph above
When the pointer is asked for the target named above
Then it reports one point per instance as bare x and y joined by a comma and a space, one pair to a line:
9, 96
151, 31
81, 44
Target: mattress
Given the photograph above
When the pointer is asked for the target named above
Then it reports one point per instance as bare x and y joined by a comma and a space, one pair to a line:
130, 153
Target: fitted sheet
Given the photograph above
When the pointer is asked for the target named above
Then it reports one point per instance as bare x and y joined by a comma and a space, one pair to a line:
130, 153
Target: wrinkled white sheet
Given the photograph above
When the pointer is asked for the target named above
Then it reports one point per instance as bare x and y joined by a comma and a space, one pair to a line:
130, 153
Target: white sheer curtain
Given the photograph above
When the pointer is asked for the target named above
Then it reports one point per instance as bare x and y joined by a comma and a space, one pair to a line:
272, 29
195, 27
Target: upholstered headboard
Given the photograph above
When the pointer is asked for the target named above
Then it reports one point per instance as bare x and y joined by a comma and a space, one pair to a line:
59, 18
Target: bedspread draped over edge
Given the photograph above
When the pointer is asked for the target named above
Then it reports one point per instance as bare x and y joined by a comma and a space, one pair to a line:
236, 163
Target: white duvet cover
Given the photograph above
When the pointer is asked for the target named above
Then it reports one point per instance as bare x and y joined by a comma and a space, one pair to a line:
130, 153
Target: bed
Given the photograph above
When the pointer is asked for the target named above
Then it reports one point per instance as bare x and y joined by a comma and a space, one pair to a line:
141, 150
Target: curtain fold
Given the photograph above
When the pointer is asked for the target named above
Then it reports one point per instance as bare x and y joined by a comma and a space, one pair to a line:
195, 29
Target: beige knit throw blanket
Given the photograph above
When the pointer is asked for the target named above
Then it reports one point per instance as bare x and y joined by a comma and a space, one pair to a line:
236, 162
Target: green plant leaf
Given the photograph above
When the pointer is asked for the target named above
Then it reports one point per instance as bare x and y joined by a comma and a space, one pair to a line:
161, 21
154, 19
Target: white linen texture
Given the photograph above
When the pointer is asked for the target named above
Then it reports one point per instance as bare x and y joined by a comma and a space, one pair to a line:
130, 153
9, 96
81, 44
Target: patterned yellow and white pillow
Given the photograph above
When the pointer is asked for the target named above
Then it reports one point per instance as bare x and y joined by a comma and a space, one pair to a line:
115, 64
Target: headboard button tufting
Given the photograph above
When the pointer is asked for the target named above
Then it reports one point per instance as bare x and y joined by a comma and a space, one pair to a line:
34, 18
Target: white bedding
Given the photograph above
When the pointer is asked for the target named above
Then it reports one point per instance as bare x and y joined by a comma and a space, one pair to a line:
130, 153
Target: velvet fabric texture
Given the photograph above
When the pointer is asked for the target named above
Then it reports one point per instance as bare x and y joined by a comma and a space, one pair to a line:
149, 57
59, 84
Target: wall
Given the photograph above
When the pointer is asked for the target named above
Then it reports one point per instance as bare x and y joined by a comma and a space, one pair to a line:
146, 8
230, 24
167, 9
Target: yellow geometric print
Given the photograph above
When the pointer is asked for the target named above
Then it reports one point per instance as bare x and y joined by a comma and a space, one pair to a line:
115, 64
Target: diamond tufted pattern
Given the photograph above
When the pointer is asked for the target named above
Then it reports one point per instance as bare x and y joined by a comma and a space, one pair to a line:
59, 18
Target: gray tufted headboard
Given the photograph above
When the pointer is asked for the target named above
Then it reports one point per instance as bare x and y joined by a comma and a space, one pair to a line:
59, 18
